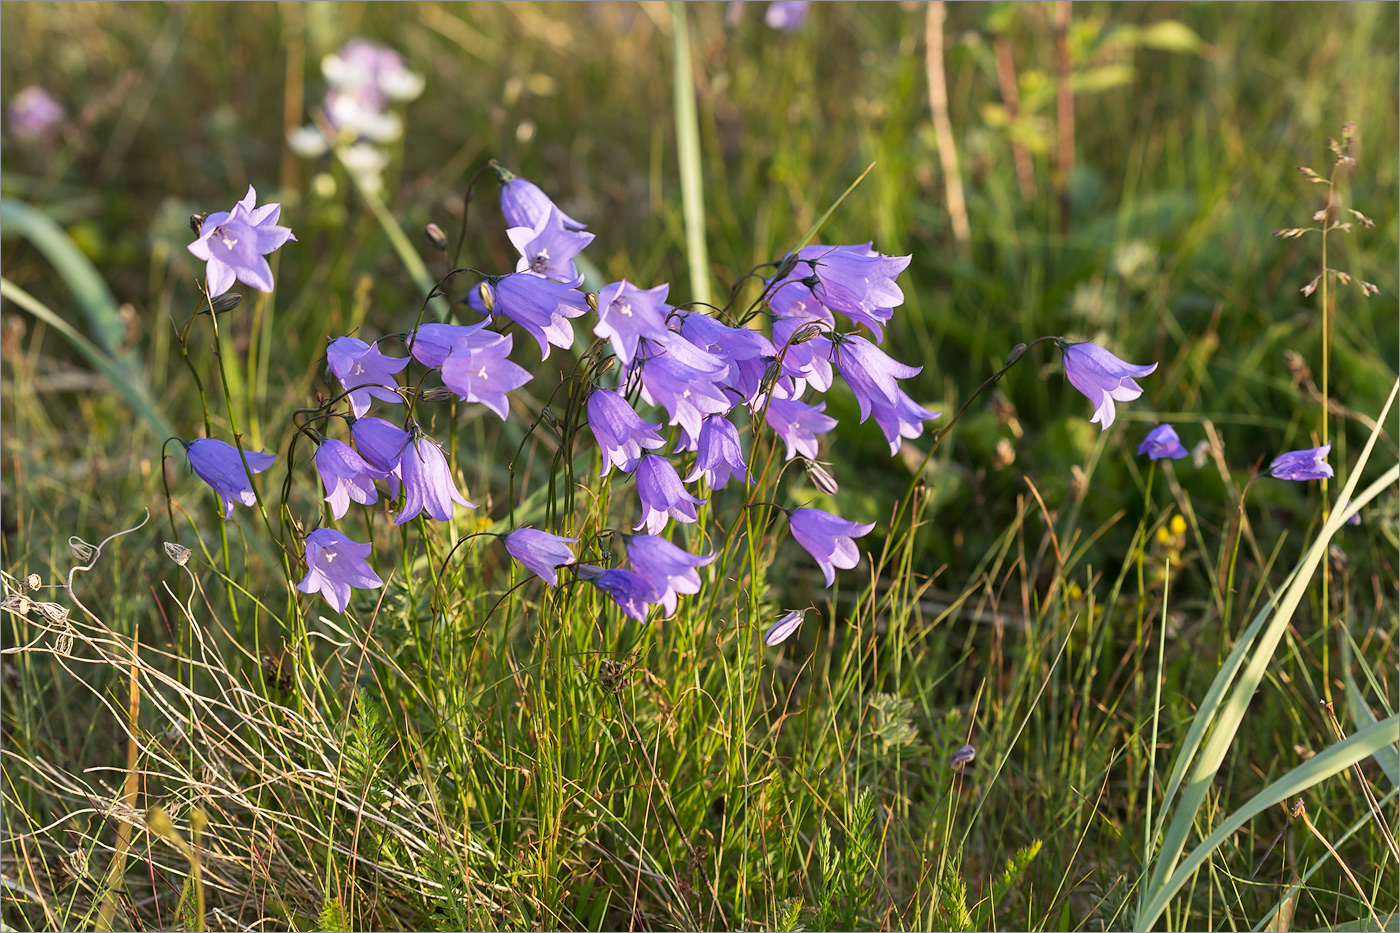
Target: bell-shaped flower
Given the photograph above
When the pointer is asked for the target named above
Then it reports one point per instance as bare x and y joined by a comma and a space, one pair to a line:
431, 343
783, 629
346, 476
786, 15
218, 464
668, 568
797, 423
427, 482
233, 243
619, 431
542, 306
627, 313
548, 248
719, 456
805, 353
541, 552
334, 565
745, 352
1302, 465
632, 592
903, 418
484, 375
523, 204
364, 371
382, 445
852, 280
828, 538
663, 495
1103, 378
688, 394
871, 374
1162, 441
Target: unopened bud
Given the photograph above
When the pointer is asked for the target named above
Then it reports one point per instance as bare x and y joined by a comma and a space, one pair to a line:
436, 236
962, 758
488, 297
437, 394
549, 417
177, 552
221, 304
781, 630
197, 222
809, 332
821, 479
1015, 354
607, 364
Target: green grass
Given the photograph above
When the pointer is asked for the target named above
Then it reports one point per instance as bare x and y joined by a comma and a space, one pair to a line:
473, 750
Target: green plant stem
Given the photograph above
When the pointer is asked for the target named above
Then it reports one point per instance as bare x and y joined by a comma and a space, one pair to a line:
688, 156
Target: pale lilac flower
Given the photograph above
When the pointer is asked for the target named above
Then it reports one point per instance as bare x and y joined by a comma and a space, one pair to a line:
746, 352
1103, 378
218, 464
523, 203
961, 758
34, 115
346, 475
364, 371
787, 15
632, 592
668, 568
627, 313
663, 495
904, 418
1302, 465
828, 538
382, 445
1162, 441
852, 280
431, 343
783, 629
427, 482
688, 394
542, 306
335, 564
871, 374
619, 431
541, 552
719, 457
233, 244
797, 423
548, 248
484, 375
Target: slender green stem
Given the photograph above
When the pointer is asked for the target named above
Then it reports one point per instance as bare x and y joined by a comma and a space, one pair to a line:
688, 155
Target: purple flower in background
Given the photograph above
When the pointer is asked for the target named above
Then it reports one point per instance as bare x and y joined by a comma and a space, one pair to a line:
427, 482
1302, 465
346, 475
548, 248
783, 629
669, 569
787, 15
363, 370
720, 457
1102, 377
797, 423
620, 431
233, 244
218, 464
541, 306
627, 313
828, 538
540, 552
34, 115
632, 592
484, 375
382, 445
523, 203
1161, 442
662, 493
335, 564
431, 343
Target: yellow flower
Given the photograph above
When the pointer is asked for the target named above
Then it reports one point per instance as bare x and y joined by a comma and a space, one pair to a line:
1178, 525
1164, 536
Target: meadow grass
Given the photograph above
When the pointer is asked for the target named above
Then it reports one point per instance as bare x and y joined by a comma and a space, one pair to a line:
1140, 654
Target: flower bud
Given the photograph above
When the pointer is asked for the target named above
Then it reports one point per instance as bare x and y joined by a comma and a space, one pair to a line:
488, 297
437, 394
550, 418
961, 758
225, 302
592, 299
820, 478
782, 630
436, 236
1015, 354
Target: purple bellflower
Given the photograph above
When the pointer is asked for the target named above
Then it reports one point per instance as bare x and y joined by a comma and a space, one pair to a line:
663, 495
523, 203
828, 538
627, 313
432, 342
382, 445
346, 475
1103, 378
548, 248
805, 355
720, 457
632, 592
797, 423
1162, 441
234, 243
873, 377
427, 482
363, 370
669, 569
688, 394
540, 552
484, 375
852, 280
542, 306
787, 15
620, 431
335, 564
783, 629
34, 115
904, 418
746, 351
1302, 465
218, 464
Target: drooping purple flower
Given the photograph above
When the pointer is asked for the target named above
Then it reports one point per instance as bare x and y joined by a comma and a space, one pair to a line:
1103, 378
663, 495
619, 431
1302, 465
904, 418
805, 354
233, 244
346, 475
541, 552
631, 591
871, 374
745, 352
523, 203
688, 394
34, 115
335, 564
1162, 441
783, 629
484, 375
627, 313
828, 538
432, 342
542, 306
719, 457
218, 464
363, 370
548, 248
382, 445
427, 482
852, 280
668, 568
787, 15
797, 423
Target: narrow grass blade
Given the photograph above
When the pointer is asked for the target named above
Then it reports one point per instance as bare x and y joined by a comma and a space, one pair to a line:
688, 155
